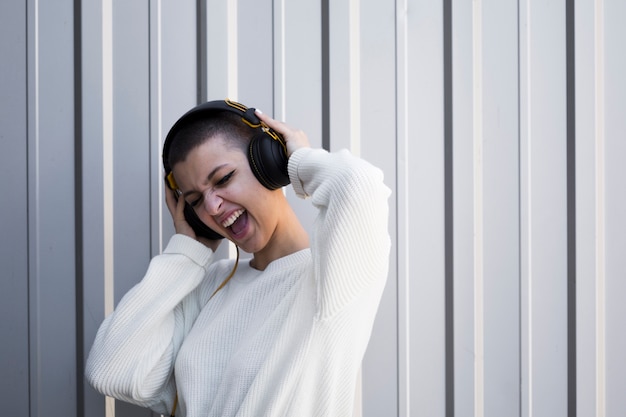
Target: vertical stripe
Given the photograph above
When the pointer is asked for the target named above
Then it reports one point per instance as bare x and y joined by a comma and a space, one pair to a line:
107, 165
278, 32
33, 209
600, 201
355, 123
233, 50
325, 61
156, 112
478, 210
233, 72
107, 150
78, 209
201, 50
402, 175
355, 76
524, 146
449, 208
571, 207
528, 331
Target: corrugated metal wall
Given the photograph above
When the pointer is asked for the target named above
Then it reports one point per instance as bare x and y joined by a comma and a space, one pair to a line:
499, 125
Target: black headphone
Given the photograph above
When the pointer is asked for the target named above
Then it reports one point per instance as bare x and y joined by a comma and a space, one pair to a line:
267, 153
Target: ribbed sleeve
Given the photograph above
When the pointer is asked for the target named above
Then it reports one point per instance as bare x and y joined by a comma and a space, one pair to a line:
350, 242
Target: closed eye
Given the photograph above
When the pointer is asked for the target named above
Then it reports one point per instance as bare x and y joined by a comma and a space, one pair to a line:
222, 182
195, 202
225, 178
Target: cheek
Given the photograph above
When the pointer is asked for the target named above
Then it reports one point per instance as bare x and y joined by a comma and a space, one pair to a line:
268, 210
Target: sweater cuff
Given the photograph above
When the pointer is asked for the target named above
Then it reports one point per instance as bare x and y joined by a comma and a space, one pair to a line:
292, 168
194, 250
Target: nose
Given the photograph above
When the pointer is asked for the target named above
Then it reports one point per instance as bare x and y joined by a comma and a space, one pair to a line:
212, 202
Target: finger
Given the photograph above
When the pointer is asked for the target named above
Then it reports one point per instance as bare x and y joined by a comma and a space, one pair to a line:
294, 138
178, 216
280, 127
180, 208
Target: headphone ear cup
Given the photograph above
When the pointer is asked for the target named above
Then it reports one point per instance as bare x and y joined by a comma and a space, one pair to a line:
268, 161
198, 226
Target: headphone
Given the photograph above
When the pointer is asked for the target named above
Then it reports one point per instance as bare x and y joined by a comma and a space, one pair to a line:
267, 153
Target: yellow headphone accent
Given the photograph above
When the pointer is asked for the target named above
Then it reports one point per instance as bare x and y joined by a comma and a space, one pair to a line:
264, 127
171, 182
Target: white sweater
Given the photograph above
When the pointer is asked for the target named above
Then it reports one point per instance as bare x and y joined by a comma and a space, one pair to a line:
286, 341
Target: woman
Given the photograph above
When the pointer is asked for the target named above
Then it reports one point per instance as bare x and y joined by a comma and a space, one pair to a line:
286, 334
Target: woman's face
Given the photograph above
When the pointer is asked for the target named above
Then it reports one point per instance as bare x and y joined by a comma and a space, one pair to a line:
217, 181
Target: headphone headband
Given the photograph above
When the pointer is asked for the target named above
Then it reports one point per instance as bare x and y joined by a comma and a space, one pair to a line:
205, 109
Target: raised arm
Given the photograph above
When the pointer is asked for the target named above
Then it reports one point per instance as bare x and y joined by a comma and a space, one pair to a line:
350, 241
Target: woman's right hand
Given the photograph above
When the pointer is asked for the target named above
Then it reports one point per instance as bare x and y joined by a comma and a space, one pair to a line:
294, 138
176, 207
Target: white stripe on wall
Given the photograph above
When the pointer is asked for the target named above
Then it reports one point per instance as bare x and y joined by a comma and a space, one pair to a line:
479, 365
280, 97
355, 76
107, 166
403, 226
156, 116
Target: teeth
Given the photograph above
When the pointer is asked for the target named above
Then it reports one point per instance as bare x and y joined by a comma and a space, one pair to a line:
229, 221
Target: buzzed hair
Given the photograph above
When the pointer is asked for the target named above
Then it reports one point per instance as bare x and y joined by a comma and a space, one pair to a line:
222, 123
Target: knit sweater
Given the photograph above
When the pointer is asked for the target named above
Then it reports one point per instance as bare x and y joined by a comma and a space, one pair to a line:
285, 341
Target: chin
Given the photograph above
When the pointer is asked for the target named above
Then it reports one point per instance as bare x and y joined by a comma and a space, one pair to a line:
251, 246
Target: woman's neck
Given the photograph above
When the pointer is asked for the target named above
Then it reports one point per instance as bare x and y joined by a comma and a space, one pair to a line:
289, 237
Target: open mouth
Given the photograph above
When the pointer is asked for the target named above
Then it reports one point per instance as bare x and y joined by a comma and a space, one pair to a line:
237, 221
233, 218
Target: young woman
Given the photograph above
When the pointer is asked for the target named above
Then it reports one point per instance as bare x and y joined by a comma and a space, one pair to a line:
286, 334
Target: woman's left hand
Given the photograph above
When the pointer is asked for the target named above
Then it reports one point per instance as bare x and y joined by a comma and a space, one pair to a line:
294, 138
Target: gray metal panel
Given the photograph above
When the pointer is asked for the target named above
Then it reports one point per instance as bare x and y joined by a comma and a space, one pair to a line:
615, 192
131, 144
218, 50
463, 198
254, 54
14, 348
421, 219
500, 216
543, 183
586, 326
378, 128
92, 190
178, 88
51, 208
131, 154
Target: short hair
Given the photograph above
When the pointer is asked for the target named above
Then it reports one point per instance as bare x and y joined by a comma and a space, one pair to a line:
195, 133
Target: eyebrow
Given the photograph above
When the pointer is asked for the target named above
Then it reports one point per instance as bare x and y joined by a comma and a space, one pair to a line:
209, 177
